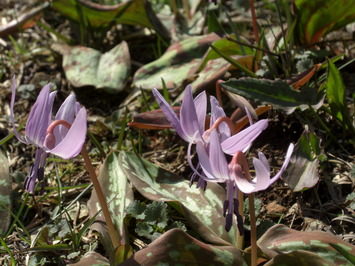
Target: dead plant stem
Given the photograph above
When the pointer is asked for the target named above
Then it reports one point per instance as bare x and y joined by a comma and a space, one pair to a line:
253, 16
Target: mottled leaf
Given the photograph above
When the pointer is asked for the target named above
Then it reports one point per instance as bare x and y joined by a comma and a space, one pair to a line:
302, 172
5, 194
93, 259
176, 247
298, 258
135, 12
214, 70
118, 195
178, 63
318, 17
280, 239
277, 93
202, 209
85, 66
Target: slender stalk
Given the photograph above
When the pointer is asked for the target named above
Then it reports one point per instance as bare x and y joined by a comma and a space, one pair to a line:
240, 237
102, 200
254, 247
187, 9
174, 7
253, 16
50, 141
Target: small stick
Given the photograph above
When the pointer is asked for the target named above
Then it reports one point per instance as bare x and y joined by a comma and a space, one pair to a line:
102, 200
253, 16
254, 247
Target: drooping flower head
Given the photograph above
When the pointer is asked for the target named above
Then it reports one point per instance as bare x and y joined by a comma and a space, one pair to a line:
236, 174
63, 136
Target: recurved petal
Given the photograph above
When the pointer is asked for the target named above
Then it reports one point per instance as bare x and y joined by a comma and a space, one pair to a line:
12, 114
264, 160
66, 112
217, 112
40, 117
244, 138
201, 109
242, 183
205, 163
188, 117
284, 165
218, 159
170, 114
72, 143
262, 174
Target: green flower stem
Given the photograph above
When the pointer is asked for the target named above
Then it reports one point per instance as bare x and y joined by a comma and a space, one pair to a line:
254, 247
102, 200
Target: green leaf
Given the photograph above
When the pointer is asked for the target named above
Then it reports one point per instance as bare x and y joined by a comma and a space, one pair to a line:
144, 229
227, 47
280, 239
277, 93
5, 194
202, 209
316, 18
335, 91
85, 66
136, 209
179, 62
298, 258
302, 172
350, 257
234, 63
156, 213
212, 22
118, 196
135, 12
175, 247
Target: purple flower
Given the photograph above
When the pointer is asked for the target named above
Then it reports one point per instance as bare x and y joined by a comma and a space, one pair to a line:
240, 172
64, 136
215, 166
191, 124
236, 173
